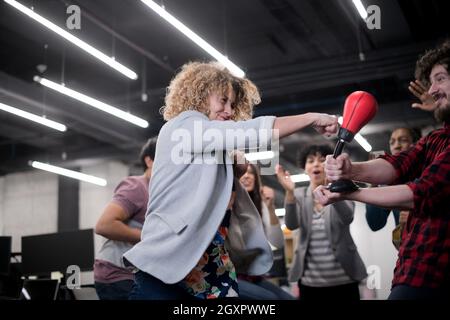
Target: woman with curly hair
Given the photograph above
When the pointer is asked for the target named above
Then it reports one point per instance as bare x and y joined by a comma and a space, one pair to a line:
191, 244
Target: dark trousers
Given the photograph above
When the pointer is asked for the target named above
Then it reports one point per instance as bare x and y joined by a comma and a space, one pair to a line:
262, 290
347, 292
404, 292
119, 290
147, 287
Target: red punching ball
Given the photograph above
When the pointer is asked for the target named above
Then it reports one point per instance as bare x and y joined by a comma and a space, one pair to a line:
359, 108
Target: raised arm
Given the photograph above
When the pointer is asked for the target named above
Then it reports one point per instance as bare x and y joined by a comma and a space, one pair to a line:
292, 214
323, 123
195, 133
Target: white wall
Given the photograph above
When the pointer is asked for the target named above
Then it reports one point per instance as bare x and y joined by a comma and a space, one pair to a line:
28, 205
29, 202
93, 198
375, 248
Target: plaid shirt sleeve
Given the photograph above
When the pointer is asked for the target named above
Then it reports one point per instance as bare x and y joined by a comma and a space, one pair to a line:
431, 191
408, 163
430, 185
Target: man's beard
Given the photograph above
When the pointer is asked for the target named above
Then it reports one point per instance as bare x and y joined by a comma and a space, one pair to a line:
442, 114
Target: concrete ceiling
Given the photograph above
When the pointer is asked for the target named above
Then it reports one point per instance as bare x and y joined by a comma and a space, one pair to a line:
303, 55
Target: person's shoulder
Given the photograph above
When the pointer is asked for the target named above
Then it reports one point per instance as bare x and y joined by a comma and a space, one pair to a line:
179, 121
131, 182
133, 179
443, 131
189, 114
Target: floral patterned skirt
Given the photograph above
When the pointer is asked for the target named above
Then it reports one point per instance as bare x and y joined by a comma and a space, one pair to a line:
214, 276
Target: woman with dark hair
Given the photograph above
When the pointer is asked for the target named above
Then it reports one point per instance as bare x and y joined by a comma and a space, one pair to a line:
257, 287
326, 263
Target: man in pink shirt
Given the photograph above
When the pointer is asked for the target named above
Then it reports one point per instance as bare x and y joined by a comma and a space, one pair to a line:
121, 224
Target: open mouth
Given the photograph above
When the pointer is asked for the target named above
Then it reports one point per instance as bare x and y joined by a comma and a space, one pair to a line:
438, 97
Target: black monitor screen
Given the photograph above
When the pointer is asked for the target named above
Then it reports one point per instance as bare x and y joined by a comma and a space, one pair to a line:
42, 254
39, 289
5, 254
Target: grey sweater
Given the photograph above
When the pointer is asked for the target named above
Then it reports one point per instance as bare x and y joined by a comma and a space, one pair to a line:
190, 191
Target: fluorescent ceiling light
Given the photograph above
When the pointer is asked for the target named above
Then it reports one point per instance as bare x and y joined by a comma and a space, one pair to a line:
254, 156
280, 212
195, 38
361, 10
32, 117
69, 173
110, 61
360, 139
93, 102
300, 177
363, 142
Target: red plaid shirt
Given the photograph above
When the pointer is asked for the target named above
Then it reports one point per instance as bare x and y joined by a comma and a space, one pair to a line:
423, 259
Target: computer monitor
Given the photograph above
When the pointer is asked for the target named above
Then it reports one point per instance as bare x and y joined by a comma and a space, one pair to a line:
46, 253
5, 254
39, 289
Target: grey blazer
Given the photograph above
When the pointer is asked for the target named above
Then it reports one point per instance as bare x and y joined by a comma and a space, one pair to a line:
338, 217
189, 194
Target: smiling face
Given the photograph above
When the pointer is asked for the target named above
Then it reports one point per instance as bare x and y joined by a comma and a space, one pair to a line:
248, 179
314, 168
401, 140
440, 90
222, 105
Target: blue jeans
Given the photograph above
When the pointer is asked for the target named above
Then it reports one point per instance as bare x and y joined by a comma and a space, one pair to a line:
404, 292
114, 291
147, 287
262, 290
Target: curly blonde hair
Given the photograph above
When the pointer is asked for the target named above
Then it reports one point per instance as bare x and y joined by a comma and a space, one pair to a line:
192, 86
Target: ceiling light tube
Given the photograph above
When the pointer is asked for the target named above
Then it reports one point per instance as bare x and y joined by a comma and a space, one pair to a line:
69, 173
92, 102
238, 72
110, 61
360, 139
32, 117
363, 142
254, 156
361, 10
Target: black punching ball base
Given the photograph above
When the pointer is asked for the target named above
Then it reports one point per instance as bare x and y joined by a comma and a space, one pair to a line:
343, 186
